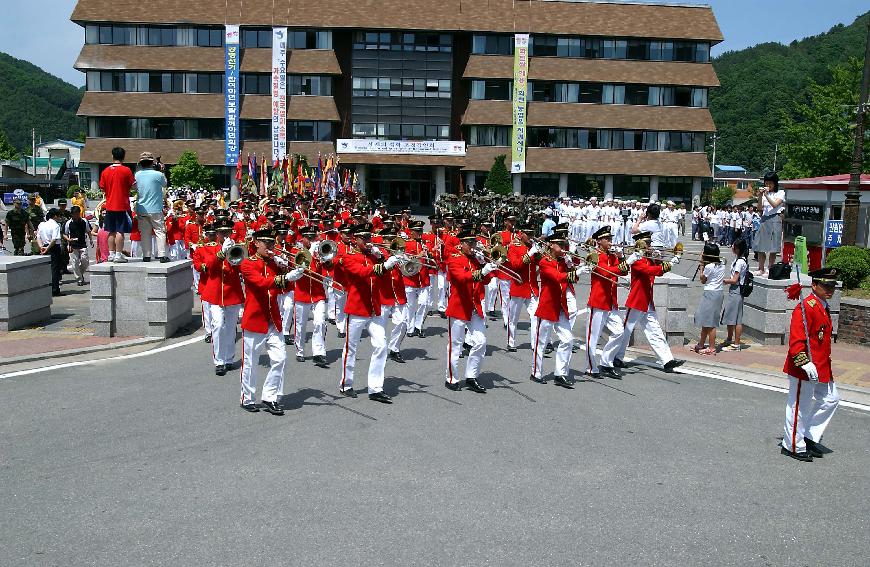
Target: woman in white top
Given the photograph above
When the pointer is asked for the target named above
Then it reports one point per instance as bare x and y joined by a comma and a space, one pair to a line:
771, 201
707, 315
732, 315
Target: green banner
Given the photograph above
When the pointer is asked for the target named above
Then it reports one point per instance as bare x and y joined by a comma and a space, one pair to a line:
521, 81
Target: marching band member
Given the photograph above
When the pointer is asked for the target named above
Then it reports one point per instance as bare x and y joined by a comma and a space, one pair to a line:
287, 297
223, 293
504, 281
603, 302
523, 258
199, 267
483, 240
309, 297
362, 265
449, 243
812, 394
338, 274
639, 308
557, 278
467, 275
417, 287
394, 302
432, 241
261, 324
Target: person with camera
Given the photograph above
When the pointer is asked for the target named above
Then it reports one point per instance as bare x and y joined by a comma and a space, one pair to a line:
771, 202
151, 191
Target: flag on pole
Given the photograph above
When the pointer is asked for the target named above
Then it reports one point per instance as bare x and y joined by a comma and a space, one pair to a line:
239, 169
285, 176
263, 177
252, 170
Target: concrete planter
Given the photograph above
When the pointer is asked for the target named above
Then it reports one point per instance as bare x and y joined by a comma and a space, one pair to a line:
25, 291
767, 312
141, 299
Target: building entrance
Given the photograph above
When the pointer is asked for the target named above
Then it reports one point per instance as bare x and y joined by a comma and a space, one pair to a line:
401, 186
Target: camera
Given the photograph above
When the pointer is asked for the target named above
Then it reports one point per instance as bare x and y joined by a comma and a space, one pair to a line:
625, 213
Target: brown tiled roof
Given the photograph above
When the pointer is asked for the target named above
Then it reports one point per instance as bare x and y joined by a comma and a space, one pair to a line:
580, 18
595, 70
567, 115
209, 152
555, 160
174, 105
201, 59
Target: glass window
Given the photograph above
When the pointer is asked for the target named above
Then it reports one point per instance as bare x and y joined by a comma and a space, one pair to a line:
699, 98
543, 46
92, 33
106, 34
614, 94
93, 80
591, 92
702, 53
682, 96
684, 51
638, 49
637, 94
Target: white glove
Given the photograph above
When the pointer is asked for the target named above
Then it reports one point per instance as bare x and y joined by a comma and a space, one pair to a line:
327, 281
812, 372
489, 268
616, 250
377, 252
391, 261
634, 257
675, 260
583, 270
479, 256
227, 245
533, 249
280, 261
569, 261
294, 275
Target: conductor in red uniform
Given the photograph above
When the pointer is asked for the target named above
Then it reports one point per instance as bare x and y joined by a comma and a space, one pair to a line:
812, 394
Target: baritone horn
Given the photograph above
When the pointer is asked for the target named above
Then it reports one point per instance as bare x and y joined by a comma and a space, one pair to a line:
327, 250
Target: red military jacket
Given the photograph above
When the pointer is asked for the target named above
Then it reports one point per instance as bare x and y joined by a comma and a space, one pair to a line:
223, 283
553, 300
192, 233
605, 274
261, 295
360, 271
308, 290
466, 295
417, 248
430, 239
392, 288
643, 275
507, 238
240, 231
450, 246
819, 329
519, 261
199, 263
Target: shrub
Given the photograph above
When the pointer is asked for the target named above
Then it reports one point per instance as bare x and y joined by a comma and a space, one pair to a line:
865, 284
499, 180
70, 191
852, 262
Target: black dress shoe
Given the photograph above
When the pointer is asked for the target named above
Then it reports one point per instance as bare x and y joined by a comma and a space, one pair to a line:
397, 357
288, 340
549, 349
349, 393
273, 408
671, 364
611, 372
420, 333
575, 348
455, 386
619, 363
320, 360
512, 349
331, 321
805, 456
163, 259
253, 408
562, 381
341, 335
814, 449
538, 380
220, 370
381, 397
594, 374
442, 314
208, 338
146, 258
300, 358
474, 386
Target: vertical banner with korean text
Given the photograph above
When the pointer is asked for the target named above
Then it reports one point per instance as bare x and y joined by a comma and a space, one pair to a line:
521, 76
279, 94
231, 95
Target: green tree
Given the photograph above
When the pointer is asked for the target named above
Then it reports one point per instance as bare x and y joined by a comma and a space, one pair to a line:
819, 139
7, 151
499, 179
188, 172
722, 196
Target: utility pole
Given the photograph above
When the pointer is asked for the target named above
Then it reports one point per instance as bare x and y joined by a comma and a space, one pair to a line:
853, 195
775, 155
33, 155
713, 167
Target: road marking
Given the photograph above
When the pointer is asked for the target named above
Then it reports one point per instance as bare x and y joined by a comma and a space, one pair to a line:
189, 341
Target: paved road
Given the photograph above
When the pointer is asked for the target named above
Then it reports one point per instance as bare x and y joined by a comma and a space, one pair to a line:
150, 461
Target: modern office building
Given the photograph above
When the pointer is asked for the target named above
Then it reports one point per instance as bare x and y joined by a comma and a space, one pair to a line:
617, 91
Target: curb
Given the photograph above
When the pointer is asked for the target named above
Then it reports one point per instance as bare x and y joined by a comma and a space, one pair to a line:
78, 351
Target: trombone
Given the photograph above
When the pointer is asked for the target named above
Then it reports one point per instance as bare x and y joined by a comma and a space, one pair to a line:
303, 259
409, 264
497, 254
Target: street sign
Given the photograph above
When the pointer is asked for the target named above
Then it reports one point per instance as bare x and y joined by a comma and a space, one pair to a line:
833, 234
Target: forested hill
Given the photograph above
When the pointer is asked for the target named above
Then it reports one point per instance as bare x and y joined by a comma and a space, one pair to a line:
32, 98
760, 84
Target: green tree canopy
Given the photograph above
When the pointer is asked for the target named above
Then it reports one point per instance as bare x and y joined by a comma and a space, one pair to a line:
499, 178
7, 150
819, 139
188, 172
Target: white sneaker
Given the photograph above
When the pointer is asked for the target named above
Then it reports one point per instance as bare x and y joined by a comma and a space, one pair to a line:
111, 257
120, 258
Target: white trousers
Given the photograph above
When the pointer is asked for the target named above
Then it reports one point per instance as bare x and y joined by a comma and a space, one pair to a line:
562, 327
433, 291
340, 315
80, 262
318, 333
331, 297
490, 295
353, 327
177, 251
134, 248
599, 319
517, 304
649, 322
811, 405
571, 301
207, 325
457, 329
398, 316
418, 304
147, 223
285, 307
504, 298
252, 344
223, 341
443, 291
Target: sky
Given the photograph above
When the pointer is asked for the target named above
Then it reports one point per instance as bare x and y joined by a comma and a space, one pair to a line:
39, 31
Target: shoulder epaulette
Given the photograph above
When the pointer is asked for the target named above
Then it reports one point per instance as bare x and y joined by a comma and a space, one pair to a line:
455, 254
811, 302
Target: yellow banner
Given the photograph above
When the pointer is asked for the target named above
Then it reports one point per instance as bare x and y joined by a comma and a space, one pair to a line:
521, 80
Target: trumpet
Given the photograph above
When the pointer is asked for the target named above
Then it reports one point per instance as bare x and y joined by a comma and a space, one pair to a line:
497, 254
303, 259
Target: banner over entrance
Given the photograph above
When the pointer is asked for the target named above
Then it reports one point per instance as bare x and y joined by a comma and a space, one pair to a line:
521, 79
279, 94
404, 147
231, 94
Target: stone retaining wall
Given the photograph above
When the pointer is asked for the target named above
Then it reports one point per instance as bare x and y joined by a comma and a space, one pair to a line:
854, 321
25, 291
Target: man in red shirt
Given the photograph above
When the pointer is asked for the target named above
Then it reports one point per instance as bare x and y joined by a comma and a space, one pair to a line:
116, 181
812, 394
603, 303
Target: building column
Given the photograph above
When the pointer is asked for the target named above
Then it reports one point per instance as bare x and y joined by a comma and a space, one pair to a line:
440, 180
469, 180
608, 187
95, 177
563, 185
696, 191
518, 183
361, 177
654, 189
